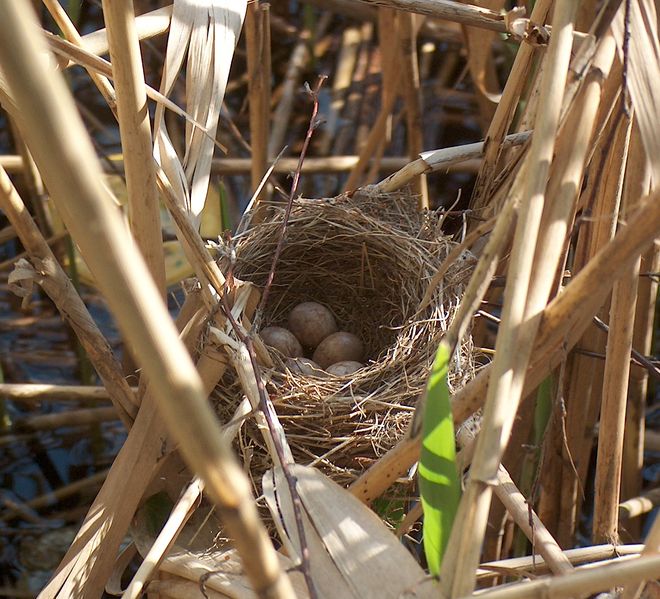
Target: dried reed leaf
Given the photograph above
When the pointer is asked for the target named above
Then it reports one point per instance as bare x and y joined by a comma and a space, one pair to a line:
643, 76
363, 555
205, 33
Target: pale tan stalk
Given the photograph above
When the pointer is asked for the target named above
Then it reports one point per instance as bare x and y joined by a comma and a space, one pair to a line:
57, 285
505, 111
617, 370
86, 484
651, 548
636, 506
65, 155
585, 375
580, 583
518, 328
258, 51
71, 33
538, 535
436, 160
135, 131
408, 26
29, 393
79, 417
637, 183
177, 519
467, 14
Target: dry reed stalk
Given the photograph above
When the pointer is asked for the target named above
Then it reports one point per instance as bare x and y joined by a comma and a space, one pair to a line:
651, 548
584, 378
71, 33
30, 393
79, 417
74, 179
639, 505
467, 14
58, 494
505, 111
177, 519
135, 132
581, 582
617, 369
435, 160
527, 520
56, 284
52, 240
408, 26
637, 183
519, 321
562, 324
257, 36
522, 566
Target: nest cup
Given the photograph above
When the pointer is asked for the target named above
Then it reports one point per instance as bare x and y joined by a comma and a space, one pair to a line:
370, 261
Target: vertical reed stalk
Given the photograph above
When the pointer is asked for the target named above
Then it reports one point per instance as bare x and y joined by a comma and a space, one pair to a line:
257, 35
519, 327
64, 153
135, 131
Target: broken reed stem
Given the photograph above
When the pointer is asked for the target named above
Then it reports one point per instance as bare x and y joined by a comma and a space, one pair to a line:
651, 548
518, 328
135, 132
57, 285
527, 520
444, 158
64, 153
257, 36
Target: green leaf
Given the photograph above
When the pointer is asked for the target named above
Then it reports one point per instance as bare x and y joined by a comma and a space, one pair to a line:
439, 484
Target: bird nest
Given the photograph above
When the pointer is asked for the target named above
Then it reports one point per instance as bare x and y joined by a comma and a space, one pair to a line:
370, 261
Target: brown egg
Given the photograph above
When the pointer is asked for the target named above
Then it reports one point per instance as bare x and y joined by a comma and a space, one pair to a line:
311, 323
344, 368
283, 340
338, 347
304, 366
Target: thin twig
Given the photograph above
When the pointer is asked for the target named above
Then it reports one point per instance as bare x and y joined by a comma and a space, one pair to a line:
313, 124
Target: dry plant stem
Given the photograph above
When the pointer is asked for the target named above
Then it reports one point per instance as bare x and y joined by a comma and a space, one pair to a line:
30, 393
636, 506
651, 548
538, 535
562, 323
505, 111
135, 132
57, 285
580, 583
166, 537
73, 177
58, 494
518, 328
467, 14
72, 418
313, 124
71, 33
412, 97
441, 159
536, 564
614, 399
257, 37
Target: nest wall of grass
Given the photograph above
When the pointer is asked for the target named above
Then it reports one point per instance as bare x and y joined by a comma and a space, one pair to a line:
369, 260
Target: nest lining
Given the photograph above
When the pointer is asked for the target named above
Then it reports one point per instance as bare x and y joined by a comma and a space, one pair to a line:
369, 260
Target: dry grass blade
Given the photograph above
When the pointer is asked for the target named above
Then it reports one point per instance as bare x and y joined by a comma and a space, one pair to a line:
207, 35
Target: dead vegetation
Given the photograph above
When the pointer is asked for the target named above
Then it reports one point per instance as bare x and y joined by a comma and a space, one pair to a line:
557, 248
